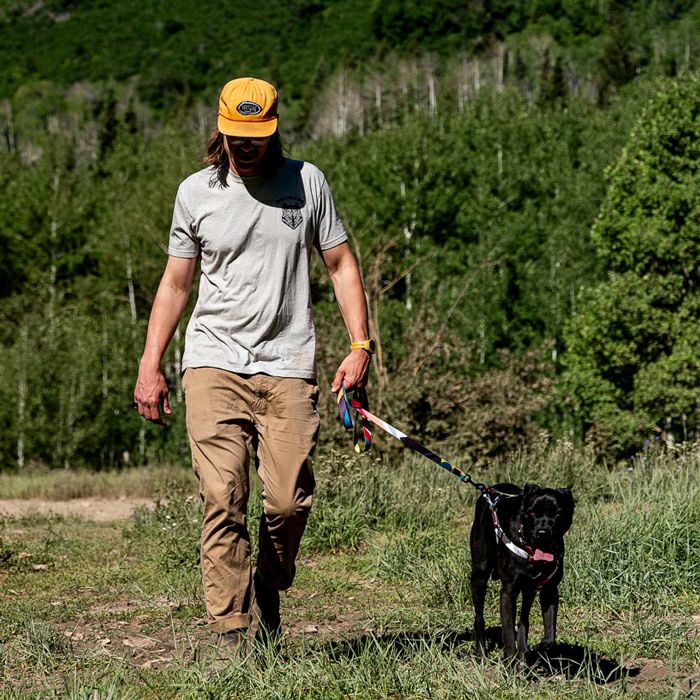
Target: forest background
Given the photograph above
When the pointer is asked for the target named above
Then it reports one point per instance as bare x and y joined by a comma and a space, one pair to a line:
519, 180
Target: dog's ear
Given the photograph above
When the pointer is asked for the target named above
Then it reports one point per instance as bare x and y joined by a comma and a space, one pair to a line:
530, 489
566, 502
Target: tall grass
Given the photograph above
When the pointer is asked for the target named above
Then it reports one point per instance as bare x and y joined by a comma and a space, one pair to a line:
636, 532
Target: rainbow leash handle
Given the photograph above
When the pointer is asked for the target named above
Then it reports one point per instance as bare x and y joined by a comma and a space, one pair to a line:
361, 433
358, 402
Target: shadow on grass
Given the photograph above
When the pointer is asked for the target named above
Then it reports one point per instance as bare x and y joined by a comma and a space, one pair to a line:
570, 660
574, 660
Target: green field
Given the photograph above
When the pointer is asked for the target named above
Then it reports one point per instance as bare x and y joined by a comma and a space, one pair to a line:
381, 604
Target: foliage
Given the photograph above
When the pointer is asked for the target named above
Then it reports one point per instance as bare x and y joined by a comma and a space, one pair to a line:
470, 217
169, 56
471, 231
175, 51
631, 364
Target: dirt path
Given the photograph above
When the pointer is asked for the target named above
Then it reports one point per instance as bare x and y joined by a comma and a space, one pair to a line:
97, 509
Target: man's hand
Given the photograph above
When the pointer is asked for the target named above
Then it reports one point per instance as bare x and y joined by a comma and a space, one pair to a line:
352, 371
151, 389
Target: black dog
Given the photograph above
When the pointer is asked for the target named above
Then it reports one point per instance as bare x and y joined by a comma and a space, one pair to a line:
521, 542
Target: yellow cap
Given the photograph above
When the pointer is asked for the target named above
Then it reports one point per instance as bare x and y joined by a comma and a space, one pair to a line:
248, 108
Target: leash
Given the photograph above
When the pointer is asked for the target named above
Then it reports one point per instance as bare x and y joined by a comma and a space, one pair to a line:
362, 441
362, 436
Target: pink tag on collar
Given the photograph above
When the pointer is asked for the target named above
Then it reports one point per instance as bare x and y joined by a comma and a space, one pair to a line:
539, 555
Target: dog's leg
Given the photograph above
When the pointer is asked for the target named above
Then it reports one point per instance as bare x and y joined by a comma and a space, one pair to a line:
509, 595
524, 626
549, 601
479, 582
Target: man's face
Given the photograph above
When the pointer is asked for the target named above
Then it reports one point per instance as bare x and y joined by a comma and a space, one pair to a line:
246, 155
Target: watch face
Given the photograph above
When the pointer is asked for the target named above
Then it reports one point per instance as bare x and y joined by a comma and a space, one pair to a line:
372, 346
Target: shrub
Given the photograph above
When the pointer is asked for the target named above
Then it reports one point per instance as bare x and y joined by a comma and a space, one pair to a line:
632, 349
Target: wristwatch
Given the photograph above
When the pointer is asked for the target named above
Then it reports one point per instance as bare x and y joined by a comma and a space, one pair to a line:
368, 345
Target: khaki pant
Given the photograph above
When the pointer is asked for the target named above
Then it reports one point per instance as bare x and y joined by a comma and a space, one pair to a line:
227, 413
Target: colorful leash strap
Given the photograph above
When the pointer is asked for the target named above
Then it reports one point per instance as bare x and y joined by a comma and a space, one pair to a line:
361, 433
347, 403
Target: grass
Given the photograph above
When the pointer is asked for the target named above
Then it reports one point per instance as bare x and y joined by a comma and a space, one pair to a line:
63, 484
380, 607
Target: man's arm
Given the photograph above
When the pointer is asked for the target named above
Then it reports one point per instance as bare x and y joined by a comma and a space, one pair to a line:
171, 298
350, 294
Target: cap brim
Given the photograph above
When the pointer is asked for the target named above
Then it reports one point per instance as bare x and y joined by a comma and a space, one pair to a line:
247, 129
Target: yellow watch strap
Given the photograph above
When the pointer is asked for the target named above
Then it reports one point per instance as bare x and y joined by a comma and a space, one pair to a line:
363, 345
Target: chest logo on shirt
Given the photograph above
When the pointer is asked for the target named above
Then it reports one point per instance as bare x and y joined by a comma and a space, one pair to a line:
291, 211
292, 217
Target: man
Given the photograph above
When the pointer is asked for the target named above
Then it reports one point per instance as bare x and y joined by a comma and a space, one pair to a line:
252, 218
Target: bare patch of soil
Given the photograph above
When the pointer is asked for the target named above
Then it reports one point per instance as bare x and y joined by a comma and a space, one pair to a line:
656, 675
97, 509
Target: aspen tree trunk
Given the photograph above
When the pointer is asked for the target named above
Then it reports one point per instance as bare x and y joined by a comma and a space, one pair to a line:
22, 397
130, 278
432, 102
657, 52
554, 265
68, 448
53, 243
341, 111
203, 121
462, 83
482, 341
360, 111
500, 67
414, 87
404, 91
142, 442
105, 354
134, 318
373, 292
53, 271
686, 52
572, 82
430, 65
378, 103
11, 145
408, 230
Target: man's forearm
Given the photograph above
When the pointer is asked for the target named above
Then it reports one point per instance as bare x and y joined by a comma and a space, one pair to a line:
350, 295
167, 310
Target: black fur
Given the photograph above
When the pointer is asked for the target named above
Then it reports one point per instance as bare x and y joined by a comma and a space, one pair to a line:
537, 518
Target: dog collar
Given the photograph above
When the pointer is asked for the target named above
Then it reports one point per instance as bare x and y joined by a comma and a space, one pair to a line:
528, 553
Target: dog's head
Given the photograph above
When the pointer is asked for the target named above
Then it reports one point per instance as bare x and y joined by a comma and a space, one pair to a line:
546, 514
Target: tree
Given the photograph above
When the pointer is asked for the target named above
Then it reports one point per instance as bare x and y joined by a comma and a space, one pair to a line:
634, 346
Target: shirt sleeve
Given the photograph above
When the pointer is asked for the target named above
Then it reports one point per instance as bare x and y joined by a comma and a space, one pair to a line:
330, 231
183, 242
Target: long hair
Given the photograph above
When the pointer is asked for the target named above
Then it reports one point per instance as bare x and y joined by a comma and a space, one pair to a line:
216, 156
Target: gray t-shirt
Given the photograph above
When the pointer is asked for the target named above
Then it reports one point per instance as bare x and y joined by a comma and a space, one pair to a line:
255, 237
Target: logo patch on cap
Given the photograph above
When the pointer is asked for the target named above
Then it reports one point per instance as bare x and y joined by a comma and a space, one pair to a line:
249, 109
